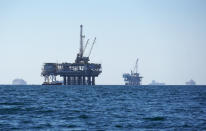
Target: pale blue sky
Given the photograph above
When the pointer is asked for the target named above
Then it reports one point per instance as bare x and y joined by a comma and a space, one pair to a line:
168, 37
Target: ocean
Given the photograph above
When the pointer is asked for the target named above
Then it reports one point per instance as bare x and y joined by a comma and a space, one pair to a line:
102, 108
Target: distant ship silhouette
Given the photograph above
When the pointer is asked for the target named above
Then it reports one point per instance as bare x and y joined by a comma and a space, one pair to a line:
18, 81
190, 82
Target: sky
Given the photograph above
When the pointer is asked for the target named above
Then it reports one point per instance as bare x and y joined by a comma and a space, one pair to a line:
168, 37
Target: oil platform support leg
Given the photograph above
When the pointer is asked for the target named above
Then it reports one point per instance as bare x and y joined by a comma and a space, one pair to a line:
68, 80
89, 80
72, 80
75, 81
79, 80
93, 80
64, 80
84, 80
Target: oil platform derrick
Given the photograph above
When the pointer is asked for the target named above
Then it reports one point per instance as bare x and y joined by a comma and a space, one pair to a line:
81, 72
134, 78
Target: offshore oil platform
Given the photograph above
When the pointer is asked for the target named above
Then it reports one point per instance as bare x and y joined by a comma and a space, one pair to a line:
134, 78
81, 72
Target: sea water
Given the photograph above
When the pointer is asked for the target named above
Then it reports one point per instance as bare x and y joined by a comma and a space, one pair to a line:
102, 108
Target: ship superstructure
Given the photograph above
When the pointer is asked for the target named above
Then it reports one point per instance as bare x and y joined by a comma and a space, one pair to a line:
190, 82
81, 72
134, 77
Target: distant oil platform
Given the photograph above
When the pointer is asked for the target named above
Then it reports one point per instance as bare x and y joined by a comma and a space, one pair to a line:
134, 78
81, 72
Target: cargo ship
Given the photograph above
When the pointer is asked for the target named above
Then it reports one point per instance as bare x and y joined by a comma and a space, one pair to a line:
190, 82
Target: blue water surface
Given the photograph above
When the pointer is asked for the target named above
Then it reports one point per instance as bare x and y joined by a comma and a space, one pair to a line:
102, 108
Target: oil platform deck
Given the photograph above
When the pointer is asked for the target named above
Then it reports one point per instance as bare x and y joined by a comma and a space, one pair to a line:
81, 72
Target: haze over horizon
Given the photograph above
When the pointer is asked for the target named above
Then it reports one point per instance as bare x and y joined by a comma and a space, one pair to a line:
168, 37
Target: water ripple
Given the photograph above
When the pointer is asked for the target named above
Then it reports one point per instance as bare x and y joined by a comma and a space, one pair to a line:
102, 108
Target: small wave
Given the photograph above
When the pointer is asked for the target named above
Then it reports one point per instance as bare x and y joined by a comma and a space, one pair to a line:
12, 103
9, 111
72, 126
186, 126
84, 116
155, 118
119, 126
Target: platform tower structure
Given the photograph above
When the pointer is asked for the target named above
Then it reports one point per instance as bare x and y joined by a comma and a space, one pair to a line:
81, 72
134, 78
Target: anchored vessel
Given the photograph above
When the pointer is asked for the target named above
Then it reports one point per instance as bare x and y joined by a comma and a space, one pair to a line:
190, 82
81, 72
134, 78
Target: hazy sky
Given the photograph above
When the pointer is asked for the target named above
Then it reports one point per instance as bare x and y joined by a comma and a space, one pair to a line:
168, 37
